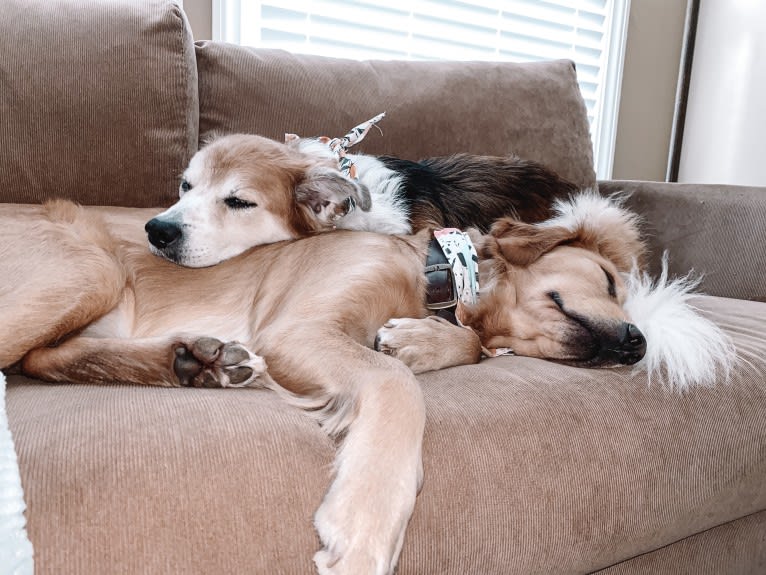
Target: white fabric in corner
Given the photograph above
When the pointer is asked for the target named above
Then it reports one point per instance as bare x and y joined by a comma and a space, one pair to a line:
15, 547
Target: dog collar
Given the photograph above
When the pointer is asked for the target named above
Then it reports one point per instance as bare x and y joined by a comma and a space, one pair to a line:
452, 275
452, 272
441, 290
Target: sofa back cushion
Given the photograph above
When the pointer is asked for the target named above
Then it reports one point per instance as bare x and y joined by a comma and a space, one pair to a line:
98, 101
533, 110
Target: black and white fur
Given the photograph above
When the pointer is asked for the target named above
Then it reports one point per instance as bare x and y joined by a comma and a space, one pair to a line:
242, 190
458, 191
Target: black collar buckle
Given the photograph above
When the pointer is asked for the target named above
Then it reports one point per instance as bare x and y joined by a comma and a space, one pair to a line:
441, 289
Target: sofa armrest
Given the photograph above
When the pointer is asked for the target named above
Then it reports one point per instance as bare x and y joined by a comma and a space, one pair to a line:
718, 231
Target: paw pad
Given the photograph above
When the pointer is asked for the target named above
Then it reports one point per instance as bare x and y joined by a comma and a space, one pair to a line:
209, 362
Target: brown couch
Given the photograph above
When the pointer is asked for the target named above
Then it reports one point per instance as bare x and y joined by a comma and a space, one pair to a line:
531, 467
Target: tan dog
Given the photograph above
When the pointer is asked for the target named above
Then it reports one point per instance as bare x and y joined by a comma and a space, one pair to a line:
82, 300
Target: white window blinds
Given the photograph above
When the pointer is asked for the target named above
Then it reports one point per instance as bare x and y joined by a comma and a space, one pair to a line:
590, 32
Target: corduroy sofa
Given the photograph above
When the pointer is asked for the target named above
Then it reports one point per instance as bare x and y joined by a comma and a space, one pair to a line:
530, 466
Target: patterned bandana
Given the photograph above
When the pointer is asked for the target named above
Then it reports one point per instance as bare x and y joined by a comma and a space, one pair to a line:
339, 146
461, 255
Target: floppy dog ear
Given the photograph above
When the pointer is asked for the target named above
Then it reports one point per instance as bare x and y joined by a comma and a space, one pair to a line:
330, 195
521, 244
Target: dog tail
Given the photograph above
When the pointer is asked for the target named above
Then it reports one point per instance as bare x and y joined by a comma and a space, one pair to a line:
334, 413
87, 227
684, 348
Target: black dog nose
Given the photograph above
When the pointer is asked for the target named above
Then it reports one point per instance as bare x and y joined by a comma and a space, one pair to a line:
631, 344
162, 233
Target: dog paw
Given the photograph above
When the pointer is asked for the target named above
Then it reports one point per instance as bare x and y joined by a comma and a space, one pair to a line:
325, 561
208, 362
361, 531
428, 344
397, 333
349, 552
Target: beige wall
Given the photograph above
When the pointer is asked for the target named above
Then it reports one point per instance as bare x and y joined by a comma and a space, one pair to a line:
650, 77
200, 14
653, 52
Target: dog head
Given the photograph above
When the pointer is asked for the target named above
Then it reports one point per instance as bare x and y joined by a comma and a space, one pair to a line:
555, 290
241, 190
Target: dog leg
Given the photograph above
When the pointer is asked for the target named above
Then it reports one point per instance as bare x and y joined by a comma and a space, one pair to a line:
45, 310
428, 344
56, 276
364, 515
374, 403
188, 362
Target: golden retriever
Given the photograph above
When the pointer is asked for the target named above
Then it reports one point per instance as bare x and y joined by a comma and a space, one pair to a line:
83, 300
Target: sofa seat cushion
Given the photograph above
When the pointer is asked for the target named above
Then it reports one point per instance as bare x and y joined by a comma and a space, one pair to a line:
533, 110
738, 547
530, 467
98, 101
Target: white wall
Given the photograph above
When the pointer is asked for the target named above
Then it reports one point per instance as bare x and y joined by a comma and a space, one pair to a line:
725, 131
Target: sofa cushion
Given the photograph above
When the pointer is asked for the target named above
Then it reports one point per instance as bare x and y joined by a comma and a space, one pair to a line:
738, 547
433, 108
98, 101
530, 467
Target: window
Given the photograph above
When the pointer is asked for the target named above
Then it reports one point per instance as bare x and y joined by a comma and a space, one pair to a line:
590, 32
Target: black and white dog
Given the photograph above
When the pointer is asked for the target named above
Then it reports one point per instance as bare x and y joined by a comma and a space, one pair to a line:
244, 190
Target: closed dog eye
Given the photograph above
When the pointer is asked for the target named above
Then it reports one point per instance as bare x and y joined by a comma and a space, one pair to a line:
612, 289
236, 203
556, 298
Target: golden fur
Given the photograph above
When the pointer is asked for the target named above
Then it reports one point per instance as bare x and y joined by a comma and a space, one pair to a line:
84, 301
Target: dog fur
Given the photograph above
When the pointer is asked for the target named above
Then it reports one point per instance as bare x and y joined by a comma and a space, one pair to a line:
244, 190
90, 304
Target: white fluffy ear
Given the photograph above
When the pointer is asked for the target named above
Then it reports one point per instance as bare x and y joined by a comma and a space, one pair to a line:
330, 195
683, 348
603, 225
